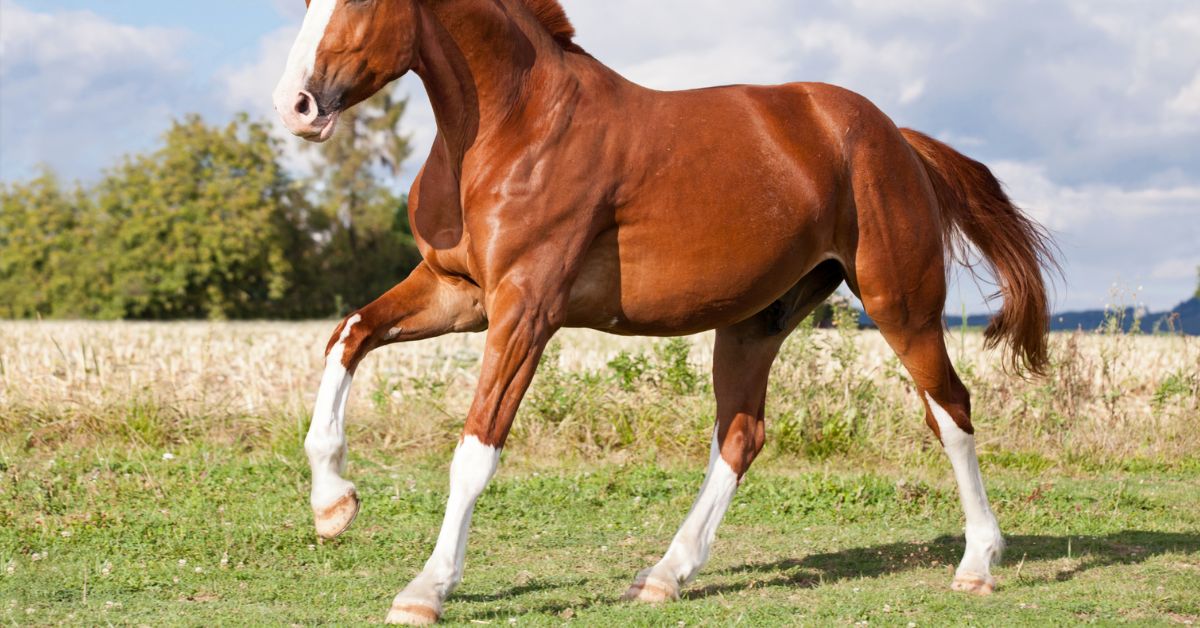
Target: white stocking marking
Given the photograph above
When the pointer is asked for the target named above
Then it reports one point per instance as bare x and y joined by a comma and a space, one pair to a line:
326, 440
473, 467
984, 542
689, 549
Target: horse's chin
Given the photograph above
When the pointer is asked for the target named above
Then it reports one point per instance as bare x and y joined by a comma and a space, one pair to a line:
320, 134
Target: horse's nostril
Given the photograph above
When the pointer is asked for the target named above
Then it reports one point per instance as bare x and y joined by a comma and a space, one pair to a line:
304, 104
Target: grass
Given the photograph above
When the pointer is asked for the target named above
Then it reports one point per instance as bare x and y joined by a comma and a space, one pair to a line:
218, 536
152, 474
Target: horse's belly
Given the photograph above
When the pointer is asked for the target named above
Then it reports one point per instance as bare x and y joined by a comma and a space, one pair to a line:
686, 283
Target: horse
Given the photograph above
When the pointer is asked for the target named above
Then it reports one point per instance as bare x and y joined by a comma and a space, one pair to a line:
558, 194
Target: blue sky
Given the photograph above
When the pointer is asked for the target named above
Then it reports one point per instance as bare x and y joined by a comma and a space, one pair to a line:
1089, 110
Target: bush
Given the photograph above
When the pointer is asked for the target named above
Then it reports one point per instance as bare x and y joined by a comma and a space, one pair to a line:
210, 225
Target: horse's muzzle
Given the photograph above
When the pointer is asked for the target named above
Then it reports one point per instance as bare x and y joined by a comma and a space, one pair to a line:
303, 116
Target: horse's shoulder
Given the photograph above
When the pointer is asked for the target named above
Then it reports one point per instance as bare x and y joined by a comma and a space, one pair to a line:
435, 202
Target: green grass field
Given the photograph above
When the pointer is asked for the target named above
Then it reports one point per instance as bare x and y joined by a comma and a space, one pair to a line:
222, 536
850, 516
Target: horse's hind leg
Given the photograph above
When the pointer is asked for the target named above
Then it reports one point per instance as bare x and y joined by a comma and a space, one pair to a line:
422, 306
948, 414
907, 306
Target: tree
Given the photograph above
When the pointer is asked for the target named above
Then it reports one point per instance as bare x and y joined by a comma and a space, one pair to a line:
208, 226
367, 242
43, 249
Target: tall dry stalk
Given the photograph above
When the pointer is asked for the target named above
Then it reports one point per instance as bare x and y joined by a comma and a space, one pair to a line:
1107, 397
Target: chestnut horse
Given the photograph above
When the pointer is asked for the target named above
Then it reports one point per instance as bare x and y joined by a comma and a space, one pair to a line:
559, 194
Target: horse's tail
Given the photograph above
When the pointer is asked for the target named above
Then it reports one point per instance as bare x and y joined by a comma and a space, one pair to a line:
1016, 249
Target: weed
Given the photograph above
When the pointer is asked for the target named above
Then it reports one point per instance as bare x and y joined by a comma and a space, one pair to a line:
629, 369
1181, 386
674, 368
833, 393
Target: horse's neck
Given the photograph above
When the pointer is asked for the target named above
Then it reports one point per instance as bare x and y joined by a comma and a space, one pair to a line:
471, 65
474, 60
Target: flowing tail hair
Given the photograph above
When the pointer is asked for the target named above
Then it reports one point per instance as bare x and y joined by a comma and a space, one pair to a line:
1018, 251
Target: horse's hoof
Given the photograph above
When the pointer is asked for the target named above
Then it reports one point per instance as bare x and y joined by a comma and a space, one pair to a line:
333, 521
971, 583
412, 614
651, 591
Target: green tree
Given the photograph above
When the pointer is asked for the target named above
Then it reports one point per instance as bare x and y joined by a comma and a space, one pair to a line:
211, 225
368, 244
43, 249
208, 226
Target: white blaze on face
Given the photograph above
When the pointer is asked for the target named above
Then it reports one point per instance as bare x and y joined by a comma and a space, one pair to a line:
303, 57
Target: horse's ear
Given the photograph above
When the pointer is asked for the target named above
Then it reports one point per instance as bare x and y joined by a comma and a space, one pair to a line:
307, 3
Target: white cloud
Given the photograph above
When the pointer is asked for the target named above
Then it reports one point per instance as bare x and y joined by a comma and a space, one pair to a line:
890, 70
1065, 207
1138, 237
719, 64
1177, 268
939, 10
78, 88
1187, 101
248, 88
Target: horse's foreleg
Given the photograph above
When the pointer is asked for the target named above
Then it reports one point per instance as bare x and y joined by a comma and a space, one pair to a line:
422, 306
517, 335
742, 361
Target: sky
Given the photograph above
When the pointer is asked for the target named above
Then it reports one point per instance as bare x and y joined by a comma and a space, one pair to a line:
1088, 110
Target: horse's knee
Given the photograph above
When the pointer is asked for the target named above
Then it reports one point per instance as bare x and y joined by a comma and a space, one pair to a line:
351, 340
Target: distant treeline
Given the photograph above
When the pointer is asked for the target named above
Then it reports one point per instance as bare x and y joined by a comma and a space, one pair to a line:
1182, 319
212, 225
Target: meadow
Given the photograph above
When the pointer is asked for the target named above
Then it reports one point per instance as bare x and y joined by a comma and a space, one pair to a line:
153, 474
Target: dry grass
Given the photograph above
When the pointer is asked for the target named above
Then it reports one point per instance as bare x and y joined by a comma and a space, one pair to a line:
1108, 397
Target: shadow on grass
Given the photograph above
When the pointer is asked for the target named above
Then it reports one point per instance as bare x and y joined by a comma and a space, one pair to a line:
1090, 552
545, 607
533, 586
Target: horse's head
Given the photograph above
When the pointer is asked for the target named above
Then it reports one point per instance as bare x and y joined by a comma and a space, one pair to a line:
346, 51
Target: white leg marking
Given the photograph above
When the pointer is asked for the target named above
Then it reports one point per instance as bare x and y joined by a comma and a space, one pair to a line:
303, 56
984, 541
690, 547
326, 440
473, 467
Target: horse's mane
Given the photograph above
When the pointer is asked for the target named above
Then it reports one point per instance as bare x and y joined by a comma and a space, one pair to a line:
554, 19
